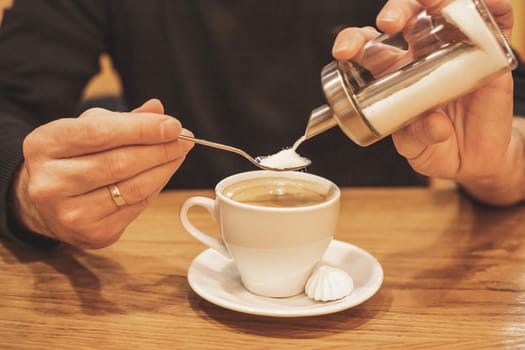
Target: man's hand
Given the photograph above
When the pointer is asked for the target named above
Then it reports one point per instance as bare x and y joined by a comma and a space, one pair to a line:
470, 140
62, 187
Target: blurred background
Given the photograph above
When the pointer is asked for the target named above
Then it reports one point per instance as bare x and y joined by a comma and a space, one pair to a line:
107, 81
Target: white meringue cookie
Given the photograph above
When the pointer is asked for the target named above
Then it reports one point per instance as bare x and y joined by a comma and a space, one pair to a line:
328, 283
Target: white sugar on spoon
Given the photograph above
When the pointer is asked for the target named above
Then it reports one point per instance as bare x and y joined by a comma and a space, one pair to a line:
286, 158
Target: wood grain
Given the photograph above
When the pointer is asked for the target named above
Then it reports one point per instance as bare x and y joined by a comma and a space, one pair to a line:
454, 278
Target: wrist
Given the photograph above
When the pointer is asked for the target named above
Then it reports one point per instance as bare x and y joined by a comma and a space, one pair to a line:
505, 184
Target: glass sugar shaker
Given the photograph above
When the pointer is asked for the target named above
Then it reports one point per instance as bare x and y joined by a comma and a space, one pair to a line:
395, 78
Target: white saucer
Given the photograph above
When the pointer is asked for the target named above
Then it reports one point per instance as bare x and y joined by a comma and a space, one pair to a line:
217, 280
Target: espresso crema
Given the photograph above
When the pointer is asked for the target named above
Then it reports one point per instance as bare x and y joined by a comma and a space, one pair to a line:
278, 192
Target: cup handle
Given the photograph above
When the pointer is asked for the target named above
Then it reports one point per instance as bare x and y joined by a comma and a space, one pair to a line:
209, 205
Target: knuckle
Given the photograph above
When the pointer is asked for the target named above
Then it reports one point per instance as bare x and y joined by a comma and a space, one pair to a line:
92, 112
143, 131
41, 190
29, 146
117, 165
97, 133
136, 193
34, 143
70, 218
44, 138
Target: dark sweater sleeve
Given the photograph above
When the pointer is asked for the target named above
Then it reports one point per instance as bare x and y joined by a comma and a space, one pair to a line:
49, 49
519, 89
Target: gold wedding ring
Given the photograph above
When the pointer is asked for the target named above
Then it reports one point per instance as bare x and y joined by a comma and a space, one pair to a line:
117, 197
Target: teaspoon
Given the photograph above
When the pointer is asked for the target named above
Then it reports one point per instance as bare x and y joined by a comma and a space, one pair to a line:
257, 161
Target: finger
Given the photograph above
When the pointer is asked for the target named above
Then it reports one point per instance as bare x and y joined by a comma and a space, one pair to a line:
81, 212
412, 140
349, 41
433, 3
133, 191
140, 187
187, 144
501, 10
76, 176
430, 146
106, 231
123, 218
99, 129
395, 14
150, 106
85, 173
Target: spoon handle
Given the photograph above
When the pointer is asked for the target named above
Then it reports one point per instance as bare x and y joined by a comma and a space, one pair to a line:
220, 146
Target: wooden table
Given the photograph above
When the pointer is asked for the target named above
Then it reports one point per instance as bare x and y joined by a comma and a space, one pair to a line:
454, 279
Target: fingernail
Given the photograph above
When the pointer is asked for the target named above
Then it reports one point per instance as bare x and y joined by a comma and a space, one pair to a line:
186, 132
343, 46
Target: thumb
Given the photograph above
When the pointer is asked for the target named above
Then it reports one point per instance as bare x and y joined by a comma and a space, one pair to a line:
152, 105
412, 140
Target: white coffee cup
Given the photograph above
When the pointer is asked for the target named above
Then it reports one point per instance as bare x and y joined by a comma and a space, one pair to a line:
274, 248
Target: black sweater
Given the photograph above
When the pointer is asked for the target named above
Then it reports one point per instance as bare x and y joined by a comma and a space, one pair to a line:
241, 72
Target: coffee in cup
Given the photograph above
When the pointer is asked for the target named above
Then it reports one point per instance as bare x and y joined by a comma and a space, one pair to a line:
278, 192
